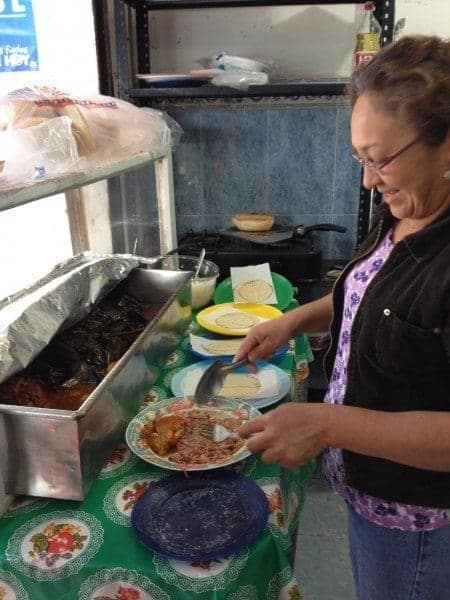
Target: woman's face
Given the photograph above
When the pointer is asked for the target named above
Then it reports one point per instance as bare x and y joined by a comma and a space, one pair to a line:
412, 184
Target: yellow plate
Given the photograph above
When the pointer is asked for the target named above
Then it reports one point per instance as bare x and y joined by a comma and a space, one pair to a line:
258, 310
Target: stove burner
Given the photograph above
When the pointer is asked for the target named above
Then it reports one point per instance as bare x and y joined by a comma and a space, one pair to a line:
293, 257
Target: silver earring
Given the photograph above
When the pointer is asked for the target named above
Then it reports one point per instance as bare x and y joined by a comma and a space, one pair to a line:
447, 174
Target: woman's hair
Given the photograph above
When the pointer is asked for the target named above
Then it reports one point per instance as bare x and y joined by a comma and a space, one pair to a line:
412, 80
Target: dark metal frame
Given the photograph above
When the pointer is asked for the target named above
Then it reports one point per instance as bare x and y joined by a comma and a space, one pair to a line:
368, 199
144, 95
113, 42
173, 4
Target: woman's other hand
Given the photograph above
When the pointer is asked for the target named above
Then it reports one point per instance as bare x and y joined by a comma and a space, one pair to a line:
289, 435
264, 339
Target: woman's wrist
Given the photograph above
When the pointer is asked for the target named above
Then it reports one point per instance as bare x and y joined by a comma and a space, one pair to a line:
329, 424
311, 317
292, 322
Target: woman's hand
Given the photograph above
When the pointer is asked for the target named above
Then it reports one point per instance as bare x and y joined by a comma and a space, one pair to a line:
294, 432
290, 435
264, 339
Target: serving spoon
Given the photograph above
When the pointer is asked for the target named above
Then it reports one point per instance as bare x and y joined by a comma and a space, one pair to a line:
200, 262
212, 379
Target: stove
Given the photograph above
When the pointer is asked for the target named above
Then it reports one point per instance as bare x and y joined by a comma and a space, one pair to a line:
289, 252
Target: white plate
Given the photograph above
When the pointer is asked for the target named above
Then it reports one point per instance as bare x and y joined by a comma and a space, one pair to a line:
224, 406
184, 379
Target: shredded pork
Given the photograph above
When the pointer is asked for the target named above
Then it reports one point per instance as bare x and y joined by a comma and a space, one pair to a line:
195, 448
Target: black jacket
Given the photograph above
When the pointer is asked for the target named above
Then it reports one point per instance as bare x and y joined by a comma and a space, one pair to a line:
400, 352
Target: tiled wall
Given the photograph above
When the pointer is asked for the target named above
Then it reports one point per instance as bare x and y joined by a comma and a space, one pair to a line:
291, 159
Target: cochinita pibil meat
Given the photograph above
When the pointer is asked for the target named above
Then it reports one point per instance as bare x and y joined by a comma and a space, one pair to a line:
77, 359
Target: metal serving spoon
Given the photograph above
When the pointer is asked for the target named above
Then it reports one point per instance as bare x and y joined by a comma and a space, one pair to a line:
212, 379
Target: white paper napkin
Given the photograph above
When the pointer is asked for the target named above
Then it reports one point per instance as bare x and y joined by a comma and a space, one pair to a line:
268, 379
253, 284
200, 345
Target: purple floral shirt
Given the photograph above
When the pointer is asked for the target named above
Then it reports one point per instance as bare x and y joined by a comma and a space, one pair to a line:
393, 515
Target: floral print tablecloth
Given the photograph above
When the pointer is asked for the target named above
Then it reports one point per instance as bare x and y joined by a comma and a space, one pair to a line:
59, 549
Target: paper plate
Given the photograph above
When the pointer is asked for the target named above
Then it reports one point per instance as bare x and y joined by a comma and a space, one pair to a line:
283, 289
200, 517
180, 405
258, 310
210, 336
187, 378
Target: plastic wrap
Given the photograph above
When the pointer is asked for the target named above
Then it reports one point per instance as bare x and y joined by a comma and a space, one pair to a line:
240, 80
47, 149
37, 143
237, 71
228, 62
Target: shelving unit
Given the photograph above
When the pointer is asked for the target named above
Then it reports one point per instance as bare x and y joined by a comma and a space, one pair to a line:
171, 4
292, 88
124, 15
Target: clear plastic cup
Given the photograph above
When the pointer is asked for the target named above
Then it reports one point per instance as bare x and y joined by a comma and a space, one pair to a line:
202, 287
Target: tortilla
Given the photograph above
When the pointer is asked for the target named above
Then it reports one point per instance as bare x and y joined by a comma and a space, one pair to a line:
240, 385
236, 320
255, 290
222, 347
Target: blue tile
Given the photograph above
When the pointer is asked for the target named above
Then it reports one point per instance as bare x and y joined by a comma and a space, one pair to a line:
282, 160
187, 163
234, 153
343, 245
215, 222
321, 239
347, 170
186, 223
300, 159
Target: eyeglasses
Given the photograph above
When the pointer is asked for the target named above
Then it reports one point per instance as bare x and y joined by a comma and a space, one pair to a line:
378, 166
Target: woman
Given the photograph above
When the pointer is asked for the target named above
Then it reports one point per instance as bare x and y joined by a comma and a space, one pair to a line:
384, 426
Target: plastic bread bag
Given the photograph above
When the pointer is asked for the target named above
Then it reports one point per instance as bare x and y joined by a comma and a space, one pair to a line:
104, 128
118, 129
45, 150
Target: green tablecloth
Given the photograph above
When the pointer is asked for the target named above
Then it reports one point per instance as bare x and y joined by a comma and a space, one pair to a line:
58, 549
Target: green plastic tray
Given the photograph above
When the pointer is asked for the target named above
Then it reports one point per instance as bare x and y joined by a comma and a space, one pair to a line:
283, 289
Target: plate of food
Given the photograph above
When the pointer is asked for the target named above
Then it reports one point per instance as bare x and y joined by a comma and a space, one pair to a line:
201, 517
283, 289
268, 386
170, 433
214, 346
235, 319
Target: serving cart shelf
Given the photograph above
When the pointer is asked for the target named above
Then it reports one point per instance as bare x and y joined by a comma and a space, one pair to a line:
19, 194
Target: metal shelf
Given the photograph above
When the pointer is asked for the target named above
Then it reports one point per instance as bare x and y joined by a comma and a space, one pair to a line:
171, 4
19, 194
299, 88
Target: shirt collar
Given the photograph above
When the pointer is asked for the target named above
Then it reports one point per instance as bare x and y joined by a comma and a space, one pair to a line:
425, 243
